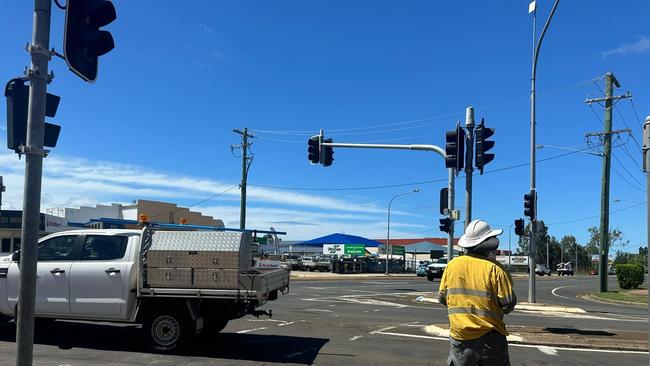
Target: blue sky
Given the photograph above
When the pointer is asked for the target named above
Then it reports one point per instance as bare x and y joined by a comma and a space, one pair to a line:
158, 122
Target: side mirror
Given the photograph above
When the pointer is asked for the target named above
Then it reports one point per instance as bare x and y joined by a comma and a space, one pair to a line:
16, 256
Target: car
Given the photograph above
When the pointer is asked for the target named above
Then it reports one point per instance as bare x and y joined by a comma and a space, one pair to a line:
542, 269
611, 270
593, 272
421, 270
436, 269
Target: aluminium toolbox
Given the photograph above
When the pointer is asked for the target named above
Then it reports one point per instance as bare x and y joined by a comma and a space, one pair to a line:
169, 277
199, 250
215, 278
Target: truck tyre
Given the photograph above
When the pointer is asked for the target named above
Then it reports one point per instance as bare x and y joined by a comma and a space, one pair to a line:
167, 330
430, 276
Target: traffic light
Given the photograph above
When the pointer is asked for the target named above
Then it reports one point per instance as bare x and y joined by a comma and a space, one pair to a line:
17, 94
327, 156
444, 200
313, 149
83, 41
519, 227
445, 224
482, 134
455, 149
530, 205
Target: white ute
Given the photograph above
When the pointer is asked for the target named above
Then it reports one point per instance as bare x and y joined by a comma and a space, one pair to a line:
176, 283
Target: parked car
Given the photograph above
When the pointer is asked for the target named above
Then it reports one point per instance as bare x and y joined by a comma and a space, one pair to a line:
308, 264
421, 270
593, 272
611, 270
435, 269
542, 270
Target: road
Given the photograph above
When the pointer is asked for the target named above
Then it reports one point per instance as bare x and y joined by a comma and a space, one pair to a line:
344, 323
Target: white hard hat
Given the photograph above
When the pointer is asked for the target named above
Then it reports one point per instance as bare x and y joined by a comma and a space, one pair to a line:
477, 232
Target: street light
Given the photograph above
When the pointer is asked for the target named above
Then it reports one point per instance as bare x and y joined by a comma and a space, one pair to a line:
533, 224
416, 190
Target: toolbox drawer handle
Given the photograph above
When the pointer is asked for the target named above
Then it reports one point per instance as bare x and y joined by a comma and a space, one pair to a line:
168, 260
215, 277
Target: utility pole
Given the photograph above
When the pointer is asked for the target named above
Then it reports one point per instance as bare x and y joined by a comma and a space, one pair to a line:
469, 168
245, 166
646, 169
610, 82
34, 153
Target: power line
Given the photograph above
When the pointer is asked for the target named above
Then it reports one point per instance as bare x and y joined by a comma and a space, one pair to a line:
625, 123
595, 216
357, 130
635, 113
194, 204
625, 180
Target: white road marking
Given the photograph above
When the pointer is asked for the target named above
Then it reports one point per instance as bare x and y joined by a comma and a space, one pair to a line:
265, 320
547, 350
383, 332
292, 355
320, 310
250, 330
355, 338
283, 324
564, 297
317, 288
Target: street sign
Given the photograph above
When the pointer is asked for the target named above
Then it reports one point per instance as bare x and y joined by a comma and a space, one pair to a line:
595, 258
397, 249
515, 260
355, 249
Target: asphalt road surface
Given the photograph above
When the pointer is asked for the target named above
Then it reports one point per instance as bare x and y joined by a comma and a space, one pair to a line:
344, 323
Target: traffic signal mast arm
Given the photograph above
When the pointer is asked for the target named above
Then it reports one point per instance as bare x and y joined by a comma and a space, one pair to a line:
433, 148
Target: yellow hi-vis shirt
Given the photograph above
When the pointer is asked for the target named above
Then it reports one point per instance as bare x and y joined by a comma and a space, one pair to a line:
476, 291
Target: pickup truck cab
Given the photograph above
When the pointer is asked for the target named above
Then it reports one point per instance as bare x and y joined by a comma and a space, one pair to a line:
97, 275
435, 269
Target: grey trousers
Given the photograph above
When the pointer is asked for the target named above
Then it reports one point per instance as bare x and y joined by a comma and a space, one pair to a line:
489, 350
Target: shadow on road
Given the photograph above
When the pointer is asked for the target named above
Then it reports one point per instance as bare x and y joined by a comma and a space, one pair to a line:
579, 332
127, 338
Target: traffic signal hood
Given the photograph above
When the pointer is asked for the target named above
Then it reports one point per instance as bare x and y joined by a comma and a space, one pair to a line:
483, 145
83, 41
327, 155
17, 95
530, 210
445, 224
313, 149
455, 149
519, 227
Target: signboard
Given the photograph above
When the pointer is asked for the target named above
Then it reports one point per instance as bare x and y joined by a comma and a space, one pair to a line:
595, 258
355, 249
515, 260
13, 219
397, 249
333, 249
268, 264
55, 223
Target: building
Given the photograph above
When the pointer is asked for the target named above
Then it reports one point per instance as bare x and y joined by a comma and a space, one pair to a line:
59, 219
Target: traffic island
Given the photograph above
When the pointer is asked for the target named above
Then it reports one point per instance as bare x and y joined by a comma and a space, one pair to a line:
561, 337
637, 297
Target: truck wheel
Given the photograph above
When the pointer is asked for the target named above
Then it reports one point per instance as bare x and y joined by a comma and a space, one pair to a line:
430, 276
166, 330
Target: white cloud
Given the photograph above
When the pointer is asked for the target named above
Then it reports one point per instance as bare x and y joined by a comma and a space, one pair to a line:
641, 46
206, 28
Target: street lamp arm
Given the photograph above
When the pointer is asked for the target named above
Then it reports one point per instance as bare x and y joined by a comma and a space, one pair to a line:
541, 37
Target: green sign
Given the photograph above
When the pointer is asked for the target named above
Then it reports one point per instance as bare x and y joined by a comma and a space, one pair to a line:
397, 249
355, 249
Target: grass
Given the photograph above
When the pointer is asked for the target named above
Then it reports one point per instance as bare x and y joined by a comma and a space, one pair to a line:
624, 295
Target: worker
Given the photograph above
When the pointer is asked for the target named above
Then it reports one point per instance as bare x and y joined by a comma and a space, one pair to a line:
477, 292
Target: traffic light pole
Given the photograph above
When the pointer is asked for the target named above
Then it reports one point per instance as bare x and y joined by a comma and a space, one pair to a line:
39, 78
450, 239
646, 169
469, 168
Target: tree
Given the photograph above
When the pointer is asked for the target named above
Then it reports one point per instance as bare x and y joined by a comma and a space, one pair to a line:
541, 236
615, 239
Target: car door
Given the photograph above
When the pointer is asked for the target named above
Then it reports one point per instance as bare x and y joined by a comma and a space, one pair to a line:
55, 257
98, 278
